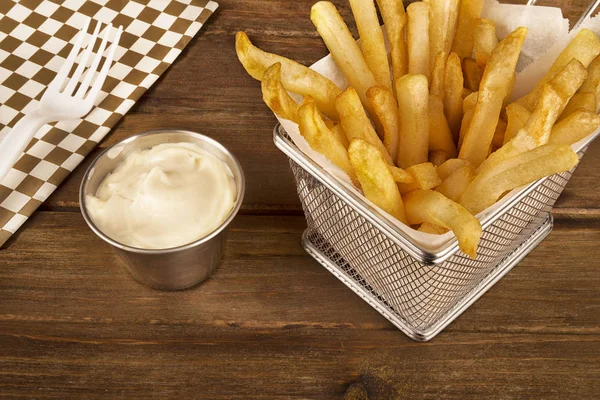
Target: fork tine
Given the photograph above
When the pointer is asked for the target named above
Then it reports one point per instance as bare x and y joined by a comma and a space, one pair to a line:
83, 62
107, 64
92, 69
59, 80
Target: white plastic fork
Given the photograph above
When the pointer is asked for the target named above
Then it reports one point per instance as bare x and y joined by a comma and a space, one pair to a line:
59, 102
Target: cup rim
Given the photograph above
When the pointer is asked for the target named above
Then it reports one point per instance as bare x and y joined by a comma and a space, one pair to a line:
234, 211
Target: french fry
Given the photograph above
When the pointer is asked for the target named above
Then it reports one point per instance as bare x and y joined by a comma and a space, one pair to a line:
451, 165
575, 127
413, 103
584, 47
275, 96
330, 124
485, 42
464, 127
552, 101
339, 134
492, 91
592, 83
472, 74
454, 185
463, 40
417, 39
438, 157
438, 74
295, 77
580, 101
355, 122
428, 206
375, 178
371, 40
440, 136
394, 18
427, 227
442, 25
534, 133
466, 92
517, 115
385, 106
424, 175
470, 102
517, 171
498, 139
400, 175
453, 101
320, 138
343, 48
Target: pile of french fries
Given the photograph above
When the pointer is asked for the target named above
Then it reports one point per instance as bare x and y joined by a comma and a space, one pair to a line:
424, 129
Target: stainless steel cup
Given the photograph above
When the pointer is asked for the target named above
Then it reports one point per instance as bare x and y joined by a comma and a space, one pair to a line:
173, 268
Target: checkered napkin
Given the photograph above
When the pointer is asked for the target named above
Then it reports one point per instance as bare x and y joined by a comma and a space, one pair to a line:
35, 39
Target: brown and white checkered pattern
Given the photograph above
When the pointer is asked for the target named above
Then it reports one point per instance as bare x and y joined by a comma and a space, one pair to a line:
35, 39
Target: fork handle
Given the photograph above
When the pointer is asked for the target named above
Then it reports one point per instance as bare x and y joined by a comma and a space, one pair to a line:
13, 144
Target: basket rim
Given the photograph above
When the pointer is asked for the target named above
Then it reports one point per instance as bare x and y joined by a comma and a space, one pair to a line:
381, 220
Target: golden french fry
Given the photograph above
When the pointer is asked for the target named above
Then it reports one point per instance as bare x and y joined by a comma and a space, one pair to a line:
339, 134
466, 92
442, 25
295, 77
592, 83
492, 91
517, 115
330, 124
438, 157
454, 185
584, 47
440, 136
567, 81
355, 122
385, 106
400, 175
471, 73
417, 39
320, 138
517, 171
413, 103
534, 133
438, 74
498, 139
575, 127
424, 175
470, 102
451, 165
485, 40
463, 40
427, 227
275, 96
375, 178
343, 48
435, 208
453, 101
580, 101
371, 40
464, 127
394, 18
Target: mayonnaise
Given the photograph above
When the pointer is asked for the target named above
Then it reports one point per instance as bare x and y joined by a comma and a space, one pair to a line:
167, 196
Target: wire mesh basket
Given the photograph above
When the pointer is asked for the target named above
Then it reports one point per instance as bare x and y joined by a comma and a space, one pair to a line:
419, 291
417, 294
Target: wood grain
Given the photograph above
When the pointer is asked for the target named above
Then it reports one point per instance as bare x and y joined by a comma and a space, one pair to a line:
280, 326
272, 323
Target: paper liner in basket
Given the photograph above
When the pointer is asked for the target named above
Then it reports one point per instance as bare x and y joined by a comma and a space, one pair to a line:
548, 35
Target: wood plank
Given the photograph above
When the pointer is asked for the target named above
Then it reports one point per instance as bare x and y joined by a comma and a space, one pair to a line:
73, 324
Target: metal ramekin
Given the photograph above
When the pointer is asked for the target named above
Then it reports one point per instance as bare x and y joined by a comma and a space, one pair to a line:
174, 268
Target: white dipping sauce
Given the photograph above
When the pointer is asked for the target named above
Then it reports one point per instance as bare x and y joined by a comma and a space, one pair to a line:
167, 196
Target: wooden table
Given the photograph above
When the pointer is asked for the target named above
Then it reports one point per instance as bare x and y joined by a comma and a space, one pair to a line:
272, 323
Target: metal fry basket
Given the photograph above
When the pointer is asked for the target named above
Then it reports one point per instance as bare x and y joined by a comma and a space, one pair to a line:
420, 292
